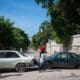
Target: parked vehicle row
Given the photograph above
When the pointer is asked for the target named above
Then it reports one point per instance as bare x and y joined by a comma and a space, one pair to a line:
10, 59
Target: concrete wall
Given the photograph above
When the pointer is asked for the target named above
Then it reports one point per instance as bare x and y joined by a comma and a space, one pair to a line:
76, 44
52, 46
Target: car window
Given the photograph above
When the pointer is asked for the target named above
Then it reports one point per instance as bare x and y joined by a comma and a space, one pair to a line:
11, 55
23, 54
2, 55
64, 56
72, 55
58, 56
69, 56
61, 56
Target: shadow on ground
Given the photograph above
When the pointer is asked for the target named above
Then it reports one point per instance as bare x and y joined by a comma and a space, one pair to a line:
4, 76
36, 69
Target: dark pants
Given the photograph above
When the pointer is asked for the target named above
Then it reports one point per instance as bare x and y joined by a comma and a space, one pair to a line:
41, 66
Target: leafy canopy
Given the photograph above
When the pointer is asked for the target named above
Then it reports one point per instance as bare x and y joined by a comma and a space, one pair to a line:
65, 18
11, 37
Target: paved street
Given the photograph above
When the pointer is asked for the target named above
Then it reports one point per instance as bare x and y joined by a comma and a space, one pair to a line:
55, 74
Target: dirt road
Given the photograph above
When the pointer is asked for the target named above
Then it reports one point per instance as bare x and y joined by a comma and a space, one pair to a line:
55, 74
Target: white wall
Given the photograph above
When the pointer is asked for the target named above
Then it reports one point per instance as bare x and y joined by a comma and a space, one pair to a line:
76, 44
52, 46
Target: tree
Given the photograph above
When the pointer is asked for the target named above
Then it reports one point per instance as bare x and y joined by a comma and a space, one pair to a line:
21, 39
42, 35
72, 13
11, 37
48, 4
69, 11
65, 19
6, 35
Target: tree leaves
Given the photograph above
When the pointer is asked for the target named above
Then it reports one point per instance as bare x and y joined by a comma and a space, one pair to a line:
42, 35
11, 37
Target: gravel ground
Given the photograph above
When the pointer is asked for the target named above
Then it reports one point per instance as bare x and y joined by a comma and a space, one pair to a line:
55, 74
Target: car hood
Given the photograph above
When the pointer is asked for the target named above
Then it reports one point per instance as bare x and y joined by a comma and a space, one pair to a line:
28, 57
49, 58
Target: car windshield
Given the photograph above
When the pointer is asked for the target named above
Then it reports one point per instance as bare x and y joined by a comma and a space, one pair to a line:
54, 54
23, 54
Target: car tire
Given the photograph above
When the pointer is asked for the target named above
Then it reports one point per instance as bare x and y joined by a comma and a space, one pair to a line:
32, 62
20, 67
48, 64
78, 66
35, 62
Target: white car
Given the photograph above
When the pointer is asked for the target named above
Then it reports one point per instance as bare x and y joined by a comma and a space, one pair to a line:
10, 59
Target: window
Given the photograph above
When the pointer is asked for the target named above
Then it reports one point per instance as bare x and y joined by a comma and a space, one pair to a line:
11, 55
69, 56
58, 56
64, 56
72, 55
61, 56
2, 55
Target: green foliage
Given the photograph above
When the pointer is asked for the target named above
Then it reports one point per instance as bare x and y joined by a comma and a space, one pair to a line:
11, 37
42, 35
65, 18
6, 35
54, 37
72, 13
21, 39
61, 27
48, 4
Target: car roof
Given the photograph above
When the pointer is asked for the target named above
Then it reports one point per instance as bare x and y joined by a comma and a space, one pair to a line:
8, 51
64, 52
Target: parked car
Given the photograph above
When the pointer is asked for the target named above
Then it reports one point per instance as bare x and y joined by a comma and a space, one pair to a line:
10, 59
62, 59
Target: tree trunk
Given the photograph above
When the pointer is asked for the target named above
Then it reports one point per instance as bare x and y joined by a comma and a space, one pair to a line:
67, 45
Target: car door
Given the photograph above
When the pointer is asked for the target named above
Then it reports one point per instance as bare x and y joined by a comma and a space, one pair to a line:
72, 60
10, 60
61, 60
2, 60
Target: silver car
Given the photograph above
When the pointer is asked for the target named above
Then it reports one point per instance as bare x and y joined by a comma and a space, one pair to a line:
10, 59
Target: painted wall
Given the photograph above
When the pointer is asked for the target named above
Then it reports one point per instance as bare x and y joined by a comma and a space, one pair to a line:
52, 46
76, 44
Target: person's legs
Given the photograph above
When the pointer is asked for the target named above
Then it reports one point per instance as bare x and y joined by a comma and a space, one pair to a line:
40, 67
43, 67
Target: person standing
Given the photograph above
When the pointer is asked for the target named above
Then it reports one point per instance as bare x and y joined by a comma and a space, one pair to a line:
42, 58
41, 64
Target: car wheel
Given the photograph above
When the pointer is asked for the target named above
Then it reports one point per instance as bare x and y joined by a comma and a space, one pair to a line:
33, 62
47, 64
20, 67
78, 66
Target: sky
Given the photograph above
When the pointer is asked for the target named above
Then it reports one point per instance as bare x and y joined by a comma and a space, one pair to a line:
26, 14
